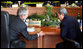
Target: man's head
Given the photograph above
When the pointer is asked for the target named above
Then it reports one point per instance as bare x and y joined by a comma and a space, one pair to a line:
22, 13
61, 13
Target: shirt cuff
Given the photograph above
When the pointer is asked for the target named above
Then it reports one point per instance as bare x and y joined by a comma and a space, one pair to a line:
38, 35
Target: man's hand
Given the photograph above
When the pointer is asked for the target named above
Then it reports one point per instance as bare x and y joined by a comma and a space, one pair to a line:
41, 33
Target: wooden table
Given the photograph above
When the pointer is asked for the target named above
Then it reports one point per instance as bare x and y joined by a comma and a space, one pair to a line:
48, 31
51, 38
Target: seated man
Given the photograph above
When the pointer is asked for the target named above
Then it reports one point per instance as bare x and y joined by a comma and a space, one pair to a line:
18, 27
70, 29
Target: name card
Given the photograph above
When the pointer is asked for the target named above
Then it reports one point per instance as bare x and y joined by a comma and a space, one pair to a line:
34, 23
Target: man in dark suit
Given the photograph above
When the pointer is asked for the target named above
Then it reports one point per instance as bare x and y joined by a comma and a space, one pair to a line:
18, 27
70, 29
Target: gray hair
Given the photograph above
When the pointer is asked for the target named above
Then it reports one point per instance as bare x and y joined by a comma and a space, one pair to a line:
62, 10
22, 11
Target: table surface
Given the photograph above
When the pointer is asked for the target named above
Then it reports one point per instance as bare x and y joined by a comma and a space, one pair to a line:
47, 30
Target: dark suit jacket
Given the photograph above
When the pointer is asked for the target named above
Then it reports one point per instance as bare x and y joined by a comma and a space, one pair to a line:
70, 29
19, 27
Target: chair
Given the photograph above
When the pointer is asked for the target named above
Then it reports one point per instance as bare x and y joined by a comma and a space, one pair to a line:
11, 18
68, 43
5, 30
75, 43
78, 42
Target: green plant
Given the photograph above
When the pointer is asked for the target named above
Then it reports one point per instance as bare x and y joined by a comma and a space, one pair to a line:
47, 19
41, 17
46, 23
34, 16
48, 12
